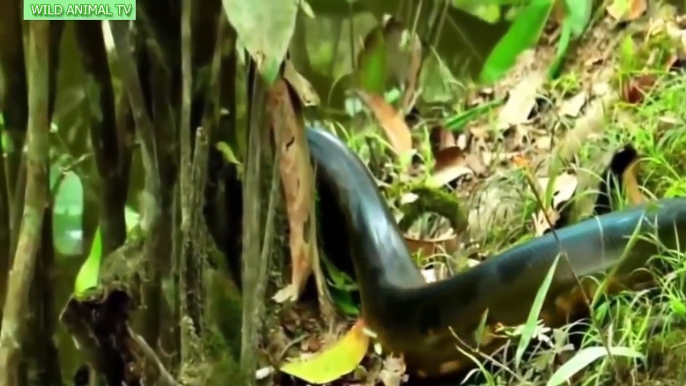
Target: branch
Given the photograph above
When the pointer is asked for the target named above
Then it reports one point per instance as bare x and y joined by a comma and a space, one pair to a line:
132, 85
36, 198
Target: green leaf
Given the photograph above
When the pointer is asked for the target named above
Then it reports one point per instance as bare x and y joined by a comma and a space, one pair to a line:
457, 122
89, 275
577, 16
67, 213
371, 73
562, 45
584, 358
265, 28
523, 33
532, 320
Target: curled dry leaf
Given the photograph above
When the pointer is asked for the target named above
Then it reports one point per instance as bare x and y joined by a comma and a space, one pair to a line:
392, 122
303, 88
451, 163
563, 190
587, 126
627, 10
298, 185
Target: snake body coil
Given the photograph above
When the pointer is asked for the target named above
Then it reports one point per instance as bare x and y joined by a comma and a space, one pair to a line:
413, 317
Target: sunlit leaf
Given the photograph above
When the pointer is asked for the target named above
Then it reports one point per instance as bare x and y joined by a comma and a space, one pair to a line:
89, 274
67, 213
585, 357
334, 362
523, 33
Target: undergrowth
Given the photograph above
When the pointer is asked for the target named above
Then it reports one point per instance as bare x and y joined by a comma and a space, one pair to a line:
646, 322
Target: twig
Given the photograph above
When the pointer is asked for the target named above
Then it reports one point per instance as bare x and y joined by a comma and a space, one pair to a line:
16, 306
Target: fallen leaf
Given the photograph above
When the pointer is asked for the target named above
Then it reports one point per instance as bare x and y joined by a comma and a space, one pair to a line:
391, 121
635, 90
520, 101
572, 106
627, 10
450, 164
441, 138
562, 191
587, 126
334, 362
303, 88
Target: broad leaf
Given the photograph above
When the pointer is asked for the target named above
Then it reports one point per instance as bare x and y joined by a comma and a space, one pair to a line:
338, 360
523, 33
578, 15
67, 213
265, 28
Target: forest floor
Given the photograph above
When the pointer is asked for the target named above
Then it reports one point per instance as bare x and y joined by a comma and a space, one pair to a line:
623, 86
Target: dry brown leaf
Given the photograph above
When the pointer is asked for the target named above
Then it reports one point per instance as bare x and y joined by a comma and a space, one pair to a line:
391, 121
450, 164
559, 11
587, 126
563, 190
572, 106
298, 186
303, 88
627, 10
520, 101
441, 138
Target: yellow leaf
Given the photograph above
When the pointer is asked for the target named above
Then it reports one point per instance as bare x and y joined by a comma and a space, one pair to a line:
334, 362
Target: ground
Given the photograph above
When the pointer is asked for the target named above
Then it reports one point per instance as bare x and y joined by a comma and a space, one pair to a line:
622, 85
